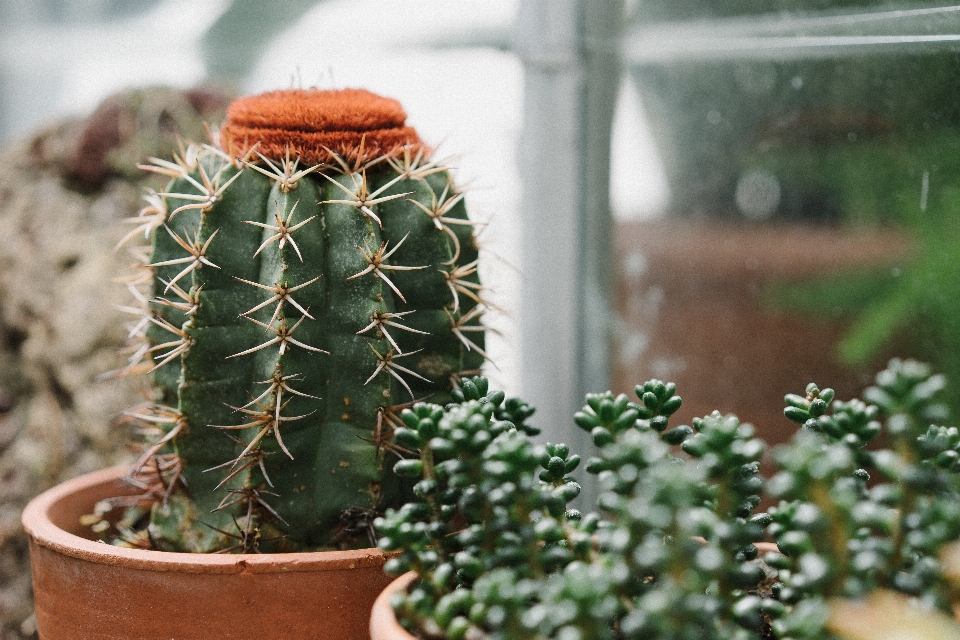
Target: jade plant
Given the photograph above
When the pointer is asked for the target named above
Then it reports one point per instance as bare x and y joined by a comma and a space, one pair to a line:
678, 546
309, 277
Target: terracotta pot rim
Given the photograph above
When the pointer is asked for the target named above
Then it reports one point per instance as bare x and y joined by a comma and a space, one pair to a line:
383, 621
44, 532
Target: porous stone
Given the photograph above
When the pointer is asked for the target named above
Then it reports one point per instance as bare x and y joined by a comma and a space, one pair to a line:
63, 194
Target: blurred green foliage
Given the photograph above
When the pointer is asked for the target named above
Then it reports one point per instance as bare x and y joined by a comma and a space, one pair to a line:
911, 184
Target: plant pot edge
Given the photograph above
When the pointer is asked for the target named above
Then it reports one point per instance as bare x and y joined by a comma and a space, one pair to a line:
257, 578
383, 620
43, 531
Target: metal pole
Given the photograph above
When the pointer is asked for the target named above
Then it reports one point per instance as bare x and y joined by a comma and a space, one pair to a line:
571, 76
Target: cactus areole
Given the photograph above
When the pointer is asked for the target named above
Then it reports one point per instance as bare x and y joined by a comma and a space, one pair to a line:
308, 278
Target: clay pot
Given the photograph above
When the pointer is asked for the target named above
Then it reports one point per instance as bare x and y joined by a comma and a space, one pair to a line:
383, 621
87, 589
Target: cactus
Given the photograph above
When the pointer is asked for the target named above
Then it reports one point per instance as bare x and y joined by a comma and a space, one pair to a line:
311, 276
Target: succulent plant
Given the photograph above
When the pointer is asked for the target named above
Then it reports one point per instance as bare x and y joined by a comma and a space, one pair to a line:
308, 277
677, 548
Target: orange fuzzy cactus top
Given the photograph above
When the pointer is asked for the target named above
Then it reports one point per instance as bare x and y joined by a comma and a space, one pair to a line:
313, 124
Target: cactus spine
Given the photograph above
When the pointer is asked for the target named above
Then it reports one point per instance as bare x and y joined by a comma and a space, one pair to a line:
309, 278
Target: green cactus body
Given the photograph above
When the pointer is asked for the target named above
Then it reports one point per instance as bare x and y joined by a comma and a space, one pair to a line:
294, 312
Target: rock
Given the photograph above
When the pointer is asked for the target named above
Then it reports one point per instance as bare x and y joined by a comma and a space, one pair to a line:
63, 193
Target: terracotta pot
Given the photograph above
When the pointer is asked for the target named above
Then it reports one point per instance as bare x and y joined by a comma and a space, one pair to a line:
87, 589
383, 621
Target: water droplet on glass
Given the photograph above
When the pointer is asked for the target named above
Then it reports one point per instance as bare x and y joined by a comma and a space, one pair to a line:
757, 194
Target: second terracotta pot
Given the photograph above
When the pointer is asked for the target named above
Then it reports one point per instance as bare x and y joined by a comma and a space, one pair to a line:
383, 620
87, 589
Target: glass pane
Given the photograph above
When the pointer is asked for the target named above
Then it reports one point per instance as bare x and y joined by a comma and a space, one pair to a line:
813, 224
